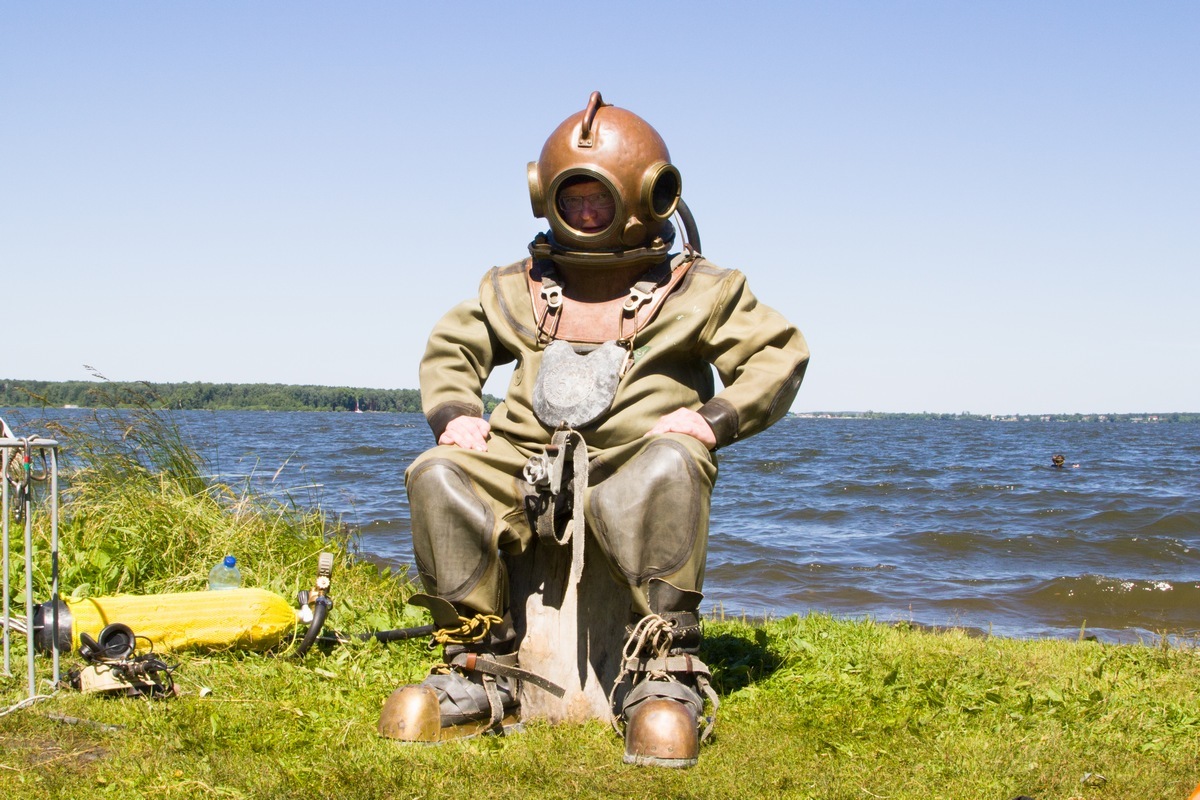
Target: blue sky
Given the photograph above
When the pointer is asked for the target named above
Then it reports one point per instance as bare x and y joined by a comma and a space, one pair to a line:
989, 207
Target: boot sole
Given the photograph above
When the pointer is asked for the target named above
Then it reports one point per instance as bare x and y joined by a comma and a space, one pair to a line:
654, 761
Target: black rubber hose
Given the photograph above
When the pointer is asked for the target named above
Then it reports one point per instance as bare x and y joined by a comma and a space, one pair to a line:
400, 634
314, 628
689, 225
394, 635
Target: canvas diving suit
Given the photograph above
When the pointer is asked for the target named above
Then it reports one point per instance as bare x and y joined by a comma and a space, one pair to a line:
647, 503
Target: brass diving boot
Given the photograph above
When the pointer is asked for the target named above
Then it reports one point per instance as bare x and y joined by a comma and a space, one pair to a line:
663, 731
474, 692
663, 710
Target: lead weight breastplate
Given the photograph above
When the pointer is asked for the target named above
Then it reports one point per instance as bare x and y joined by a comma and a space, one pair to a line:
574, 389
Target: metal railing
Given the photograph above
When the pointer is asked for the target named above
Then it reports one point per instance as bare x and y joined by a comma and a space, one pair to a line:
18, 476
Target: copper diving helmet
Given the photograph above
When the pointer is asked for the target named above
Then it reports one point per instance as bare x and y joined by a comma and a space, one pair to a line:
626, 155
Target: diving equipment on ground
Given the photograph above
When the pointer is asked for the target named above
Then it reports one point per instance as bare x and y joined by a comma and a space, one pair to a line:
112, 666
254, 619
318, 597
17, 480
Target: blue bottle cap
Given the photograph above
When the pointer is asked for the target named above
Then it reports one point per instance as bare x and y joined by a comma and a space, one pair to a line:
230, 562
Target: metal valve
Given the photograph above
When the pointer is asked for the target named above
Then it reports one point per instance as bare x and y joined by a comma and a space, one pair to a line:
537, 471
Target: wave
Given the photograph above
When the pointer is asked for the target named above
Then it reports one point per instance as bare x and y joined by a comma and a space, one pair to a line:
1109, 602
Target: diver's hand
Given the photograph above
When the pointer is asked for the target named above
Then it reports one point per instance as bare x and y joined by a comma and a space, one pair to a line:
469, 433
688, 422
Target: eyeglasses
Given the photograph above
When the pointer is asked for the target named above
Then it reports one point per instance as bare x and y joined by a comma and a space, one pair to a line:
573, 204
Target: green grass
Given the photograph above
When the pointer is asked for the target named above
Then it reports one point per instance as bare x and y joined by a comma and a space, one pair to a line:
812, 707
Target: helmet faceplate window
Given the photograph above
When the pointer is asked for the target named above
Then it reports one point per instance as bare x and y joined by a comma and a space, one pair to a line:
558, 215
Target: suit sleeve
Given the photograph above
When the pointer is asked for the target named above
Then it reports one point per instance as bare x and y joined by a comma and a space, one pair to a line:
461, 353
760, 358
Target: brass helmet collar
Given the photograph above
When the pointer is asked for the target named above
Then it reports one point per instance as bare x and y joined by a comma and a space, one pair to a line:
546, 246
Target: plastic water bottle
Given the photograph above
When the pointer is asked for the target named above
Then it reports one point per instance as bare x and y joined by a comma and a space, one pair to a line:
225, 575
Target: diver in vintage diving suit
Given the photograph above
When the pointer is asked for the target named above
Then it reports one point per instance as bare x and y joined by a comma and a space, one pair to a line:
614, 336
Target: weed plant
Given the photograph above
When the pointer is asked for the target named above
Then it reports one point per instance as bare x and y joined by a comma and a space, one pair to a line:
812, 707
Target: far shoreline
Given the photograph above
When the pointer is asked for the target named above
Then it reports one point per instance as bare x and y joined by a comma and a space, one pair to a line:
1132, 419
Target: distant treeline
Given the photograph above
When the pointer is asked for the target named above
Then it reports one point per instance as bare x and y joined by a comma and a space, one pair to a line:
284, 397
215, 396
1173, 416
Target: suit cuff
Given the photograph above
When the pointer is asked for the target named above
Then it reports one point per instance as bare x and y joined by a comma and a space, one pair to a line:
722, 417
440, 417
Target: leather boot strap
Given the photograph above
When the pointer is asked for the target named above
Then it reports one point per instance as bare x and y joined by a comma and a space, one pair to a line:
495, 665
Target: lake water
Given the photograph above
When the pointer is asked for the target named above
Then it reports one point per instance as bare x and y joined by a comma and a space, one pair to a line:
936, 522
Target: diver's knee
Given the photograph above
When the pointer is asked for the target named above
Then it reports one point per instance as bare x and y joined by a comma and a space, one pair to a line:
669, 459
438, 478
